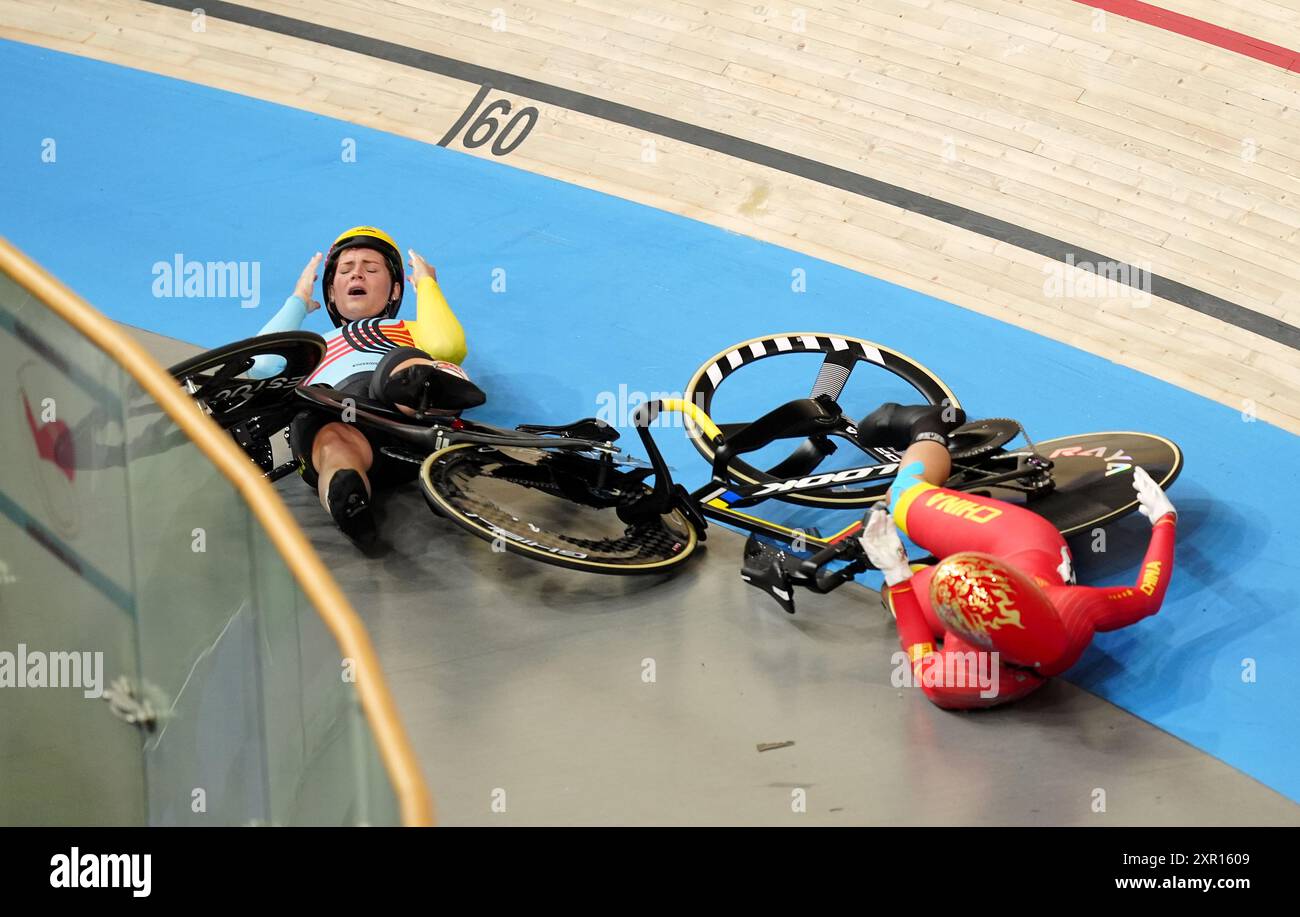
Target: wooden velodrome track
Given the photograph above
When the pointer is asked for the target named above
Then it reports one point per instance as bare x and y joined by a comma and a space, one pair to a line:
962, 148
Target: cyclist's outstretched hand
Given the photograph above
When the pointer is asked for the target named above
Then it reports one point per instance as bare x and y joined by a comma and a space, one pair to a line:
307, 283
419, 268
1152, 500
884, 548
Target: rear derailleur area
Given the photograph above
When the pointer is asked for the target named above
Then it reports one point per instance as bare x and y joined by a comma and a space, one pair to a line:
1022, 471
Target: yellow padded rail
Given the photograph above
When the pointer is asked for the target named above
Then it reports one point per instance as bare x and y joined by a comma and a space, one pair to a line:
313, 578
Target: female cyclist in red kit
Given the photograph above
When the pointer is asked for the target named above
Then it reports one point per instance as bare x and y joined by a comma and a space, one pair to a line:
1006, 579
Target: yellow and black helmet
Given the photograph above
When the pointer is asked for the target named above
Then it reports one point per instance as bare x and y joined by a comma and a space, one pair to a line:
363, 237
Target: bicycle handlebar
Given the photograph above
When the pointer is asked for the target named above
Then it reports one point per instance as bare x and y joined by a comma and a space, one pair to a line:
647, 412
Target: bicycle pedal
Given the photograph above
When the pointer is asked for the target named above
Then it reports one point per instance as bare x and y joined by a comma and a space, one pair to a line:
763, 567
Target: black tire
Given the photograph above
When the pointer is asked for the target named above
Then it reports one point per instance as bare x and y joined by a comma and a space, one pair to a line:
543, 504
231, 395
846, 353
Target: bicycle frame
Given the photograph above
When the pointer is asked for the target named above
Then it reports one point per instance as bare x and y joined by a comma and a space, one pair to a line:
724, 500
770, 569
437, 435
719, 499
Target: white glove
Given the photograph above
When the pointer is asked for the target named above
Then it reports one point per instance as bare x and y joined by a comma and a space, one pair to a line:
880, 540
1152, 501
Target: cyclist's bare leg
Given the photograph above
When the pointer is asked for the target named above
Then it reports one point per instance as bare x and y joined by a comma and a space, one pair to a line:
934, 459
339, 446
924, 429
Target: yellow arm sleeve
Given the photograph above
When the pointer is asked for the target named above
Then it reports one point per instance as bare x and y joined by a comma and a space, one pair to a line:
437, 331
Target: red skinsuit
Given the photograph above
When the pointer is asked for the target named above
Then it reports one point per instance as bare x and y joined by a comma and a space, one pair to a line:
1050, 622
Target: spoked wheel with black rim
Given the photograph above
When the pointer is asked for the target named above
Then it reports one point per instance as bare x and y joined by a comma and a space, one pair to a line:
253, 407
221, 379
560, 507
843, 357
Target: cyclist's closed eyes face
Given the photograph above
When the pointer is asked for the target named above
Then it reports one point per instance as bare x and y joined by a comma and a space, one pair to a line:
362, 284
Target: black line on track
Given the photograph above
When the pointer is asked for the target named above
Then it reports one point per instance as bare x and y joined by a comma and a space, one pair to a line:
952, 214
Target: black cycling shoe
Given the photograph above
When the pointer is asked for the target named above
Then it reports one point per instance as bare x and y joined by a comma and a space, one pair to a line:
897, 426
349, 504
423, 387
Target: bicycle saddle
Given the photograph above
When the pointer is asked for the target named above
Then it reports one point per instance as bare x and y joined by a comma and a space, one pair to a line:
588, 428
